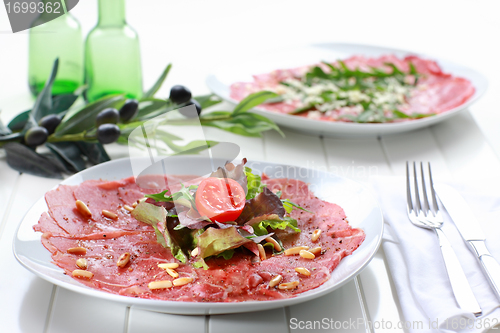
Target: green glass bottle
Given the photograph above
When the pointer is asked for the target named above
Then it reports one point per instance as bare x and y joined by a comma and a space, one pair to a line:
59, 38
112, 55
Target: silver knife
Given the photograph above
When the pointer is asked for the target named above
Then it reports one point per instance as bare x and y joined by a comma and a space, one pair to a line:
471, 232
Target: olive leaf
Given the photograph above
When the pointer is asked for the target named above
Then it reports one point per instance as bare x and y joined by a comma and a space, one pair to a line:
84, 119
152, 91
24, 159
43, 103
150, 107
207, 101
246, 124
253, 100
94, 152
69, 154
4, 130
19, 121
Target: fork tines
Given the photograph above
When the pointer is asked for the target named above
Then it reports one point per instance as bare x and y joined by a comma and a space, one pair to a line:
420, 205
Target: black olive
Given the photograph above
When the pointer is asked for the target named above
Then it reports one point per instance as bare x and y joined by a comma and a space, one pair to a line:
36, 136
180, 94
108, 133
129, 110
189, 114
50, 122
107, 116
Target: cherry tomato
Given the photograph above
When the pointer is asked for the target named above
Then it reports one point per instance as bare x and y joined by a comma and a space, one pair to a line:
220, 199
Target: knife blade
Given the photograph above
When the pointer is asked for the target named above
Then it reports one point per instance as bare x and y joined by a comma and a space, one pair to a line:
471, 232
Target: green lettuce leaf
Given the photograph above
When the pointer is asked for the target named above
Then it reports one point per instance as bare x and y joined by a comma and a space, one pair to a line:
254, 184
261, 227
215, 241
166, 236
290, 205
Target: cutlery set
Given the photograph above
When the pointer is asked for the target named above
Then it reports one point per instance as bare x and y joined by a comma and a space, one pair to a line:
425, 213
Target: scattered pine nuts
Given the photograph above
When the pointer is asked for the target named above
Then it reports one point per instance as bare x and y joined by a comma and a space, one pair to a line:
262, 252
79, 251
273, 241
295, 250
81, 274
160, 284
275, 281
127, 207
83, 209
288, 285
82, 263
172, 273
109, 214
182, 281
171, 265
315, 235
123, 260
316, 251
195, 252
303, 271
306, 254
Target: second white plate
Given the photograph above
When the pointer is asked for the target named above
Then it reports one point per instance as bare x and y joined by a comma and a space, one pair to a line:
243, 70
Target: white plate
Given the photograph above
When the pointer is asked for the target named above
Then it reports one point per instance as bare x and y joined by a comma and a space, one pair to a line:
359, 204
220, 83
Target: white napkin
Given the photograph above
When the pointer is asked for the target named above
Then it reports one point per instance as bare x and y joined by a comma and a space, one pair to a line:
416, 264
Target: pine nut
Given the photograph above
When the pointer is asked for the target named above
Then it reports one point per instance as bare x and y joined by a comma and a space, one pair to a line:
79, 251
195, 252
141, 200
288, 285
303, 271
182, 281
109, 214
273, 241
275, 281
134, 204
172, 273
295, 250
127, 207
83, 209
82, 263
315, 235
316, 251
171, 265
81, 274
262, 252
160, 284
123, 260
306, 254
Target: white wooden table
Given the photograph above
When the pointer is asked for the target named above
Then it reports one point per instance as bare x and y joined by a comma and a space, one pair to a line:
465, 147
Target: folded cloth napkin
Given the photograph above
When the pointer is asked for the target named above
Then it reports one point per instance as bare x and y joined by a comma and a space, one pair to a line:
416, 264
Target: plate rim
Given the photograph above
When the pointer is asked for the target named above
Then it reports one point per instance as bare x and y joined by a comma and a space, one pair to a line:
192, 308
212, 81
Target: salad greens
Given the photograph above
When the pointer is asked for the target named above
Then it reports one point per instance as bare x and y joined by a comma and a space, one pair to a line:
363, 96
181, 229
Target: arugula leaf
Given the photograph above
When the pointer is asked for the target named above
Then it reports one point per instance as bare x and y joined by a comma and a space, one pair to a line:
160, 197
158, 83
289, 206
254, 184
253, 100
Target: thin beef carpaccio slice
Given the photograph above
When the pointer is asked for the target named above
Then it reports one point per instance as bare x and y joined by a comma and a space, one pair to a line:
242, 278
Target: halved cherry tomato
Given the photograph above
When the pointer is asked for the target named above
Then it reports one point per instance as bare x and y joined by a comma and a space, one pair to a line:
220, 199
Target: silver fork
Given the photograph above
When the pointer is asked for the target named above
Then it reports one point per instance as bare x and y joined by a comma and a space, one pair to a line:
423, 215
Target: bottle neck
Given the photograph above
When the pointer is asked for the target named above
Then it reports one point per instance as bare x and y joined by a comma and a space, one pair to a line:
111, 13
